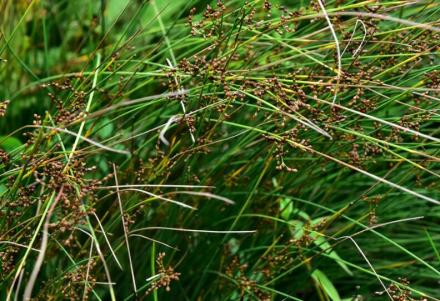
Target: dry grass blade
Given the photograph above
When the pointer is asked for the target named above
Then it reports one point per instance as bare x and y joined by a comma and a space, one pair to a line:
338, 49
196, 230
39, 262
159, 197
125, 226
205, 194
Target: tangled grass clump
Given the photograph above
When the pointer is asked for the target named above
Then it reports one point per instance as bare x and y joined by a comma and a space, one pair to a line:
219, 150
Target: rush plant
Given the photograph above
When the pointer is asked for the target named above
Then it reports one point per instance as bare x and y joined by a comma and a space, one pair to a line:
219, 150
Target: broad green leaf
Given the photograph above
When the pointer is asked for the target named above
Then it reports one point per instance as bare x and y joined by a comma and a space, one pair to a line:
324, 245
296, 228
297, 231
234, 245
2, 189
165, 8
114, 9
286, 208
326, 285
103, 166
302, 214
105, 128
9, 144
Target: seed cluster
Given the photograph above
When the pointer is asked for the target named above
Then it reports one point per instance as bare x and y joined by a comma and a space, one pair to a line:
8, 260
167, 275
246, 286
73, 282
65, 114
286, 92
401, 294
4, 157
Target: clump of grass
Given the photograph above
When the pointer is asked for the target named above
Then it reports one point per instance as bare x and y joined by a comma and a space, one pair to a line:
230, 150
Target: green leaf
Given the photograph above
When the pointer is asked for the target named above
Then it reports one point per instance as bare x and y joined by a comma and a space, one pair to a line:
114, 9
286, 208
234, 245
297, 231
105, 128
326, 285
321, 242
296, 228
2, 189
9, 144
166, 9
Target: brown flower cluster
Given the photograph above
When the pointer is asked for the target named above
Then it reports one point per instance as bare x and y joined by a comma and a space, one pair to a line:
167, 275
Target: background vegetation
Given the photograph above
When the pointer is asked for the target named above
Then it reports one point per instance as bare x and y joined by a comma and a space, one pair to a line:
235, 150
